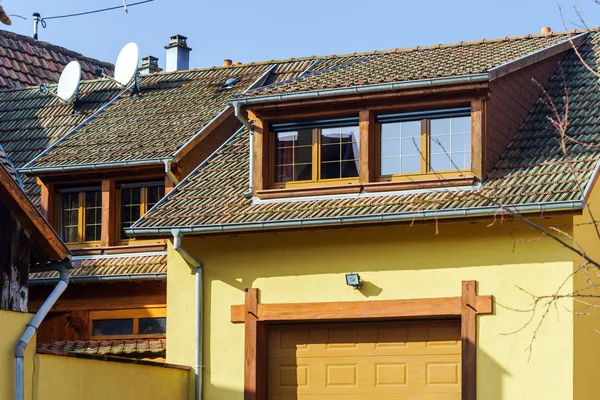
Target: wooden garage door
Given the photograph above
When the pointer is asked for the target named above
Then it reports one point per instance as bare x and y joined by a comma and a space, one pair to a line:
376, 361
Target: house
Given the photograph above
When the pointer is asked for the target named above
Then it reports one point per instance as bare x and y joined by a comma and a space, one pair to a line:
109, 158
375, 227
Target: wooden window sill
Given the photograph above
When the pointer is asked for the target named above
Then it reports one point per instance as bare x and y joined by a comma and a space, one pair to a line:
371, 187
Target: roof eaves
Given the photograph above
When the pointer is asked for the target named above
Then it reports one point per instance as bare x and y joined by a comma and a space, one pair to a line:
160, 276
363, 219
537, 56
96, 166
380, 87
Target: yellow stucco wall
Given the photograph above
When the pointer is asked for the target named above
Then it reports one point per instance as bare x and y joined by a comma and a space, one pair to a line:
586, 328
69, 378
395, 263
12, 326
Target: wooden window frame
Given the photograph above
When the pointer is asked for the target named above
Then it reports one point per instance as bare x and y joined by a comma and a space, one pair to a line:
369, 148
143, 206
316, 181
81, 215
134, 314
425, 173
257, 317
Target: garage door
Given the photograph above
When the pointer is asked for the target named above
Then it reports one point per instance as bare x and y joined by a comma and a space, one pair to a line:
376, 361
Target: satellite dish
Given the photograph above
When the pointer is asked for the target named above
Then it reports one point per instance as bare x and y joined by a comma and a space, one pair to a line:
127, 64
68, 84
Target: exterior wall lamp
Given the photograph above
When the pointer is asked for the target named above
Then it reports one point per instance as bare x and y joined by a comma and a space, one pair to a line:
353, 280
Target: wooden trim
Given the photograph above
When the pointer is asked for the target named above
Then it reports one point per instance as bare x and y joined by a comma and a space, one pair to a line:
169, 185
47, 200
366, 167
261, 154
256, 317
420, 182
324, 190
109, 214
468, 334
478, 138
206, 130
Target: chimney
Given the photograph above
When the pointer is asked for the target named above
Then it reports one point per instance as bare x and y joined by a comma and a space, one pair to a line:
149, 65
227, 63
178, 53
237, 63
546, 30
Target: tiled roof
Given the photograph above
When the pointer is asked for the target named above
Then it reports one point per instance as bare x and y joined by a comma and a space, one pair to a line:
171, 109
458, 59
129, 265
150, 348
31, 121
9, 167
28, 62
532, 170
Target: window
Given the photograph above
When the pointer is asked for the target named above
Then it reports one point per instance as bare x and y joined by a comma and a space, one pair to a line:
433, 142
135, 201
315, 151
128, 323
81, 215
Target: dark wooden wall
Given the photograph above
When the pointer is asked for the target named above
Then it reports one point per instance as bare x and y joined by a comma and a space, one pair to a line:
15, 246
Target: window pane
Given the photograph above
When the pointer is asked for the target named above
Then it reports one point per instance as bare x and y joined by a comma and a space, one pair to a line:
155, 193
130, 208
152, 326
394, 151
93, 215
112, 327
339, 152
70, 217
450, 144
293, 156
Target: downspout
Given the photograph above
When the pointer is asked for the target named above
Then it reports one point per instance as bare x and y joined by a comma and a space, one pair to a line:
197, 269
32, 328
170, 173
244, 120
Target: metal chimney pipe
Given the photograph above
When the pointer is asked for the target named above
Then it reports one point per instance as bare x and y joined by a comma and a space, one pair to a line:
36, 20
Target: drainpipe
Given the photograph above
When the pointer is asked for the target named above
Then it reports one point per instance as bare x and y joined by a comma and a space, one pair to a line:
244, 120
197, 268
32, 328
170, 173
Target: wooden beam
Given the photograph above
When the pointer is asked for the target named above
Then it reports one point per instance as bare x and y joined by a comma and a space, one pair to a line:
367, 146
261, 155
478, 138
250, 345
468, 333
109, 213
47, 201
169, 185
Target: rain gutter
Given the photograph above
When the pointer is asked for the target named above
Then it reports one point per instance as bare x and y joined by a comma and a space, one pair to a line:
33, 326
381, 87
95, 166
81, 125
365, 219
197, 268
162, 276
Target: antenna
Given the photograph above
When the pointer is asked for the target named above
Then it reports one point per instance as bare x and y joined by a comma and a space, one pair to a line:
126, 65
68, 84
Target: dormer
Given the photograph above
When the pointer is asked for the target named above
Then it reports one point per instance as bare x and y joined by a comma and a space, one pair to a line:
393, 121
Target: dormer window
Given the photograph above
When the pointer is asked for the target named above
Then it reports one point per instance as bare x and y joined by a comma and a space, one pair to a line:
313, 152
383, 147
424, 143
135, 201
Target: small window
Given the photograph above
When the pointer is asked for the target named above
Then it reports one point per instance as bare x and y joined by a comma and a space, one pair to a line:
135, 201
315, 151
81, 216
434, 142
128, 323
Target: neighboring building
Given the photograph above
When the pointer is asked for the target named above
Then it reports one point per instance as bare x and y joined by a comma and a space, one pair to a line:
25, 62
407, 167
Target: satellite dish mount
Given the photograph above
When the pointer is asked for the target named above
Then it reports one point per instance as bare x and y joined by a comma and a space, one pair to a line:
126, 67
68, 84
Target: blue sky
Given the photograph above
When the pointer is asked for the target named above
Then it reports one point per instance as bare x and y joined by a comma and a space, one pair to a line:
258, 30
